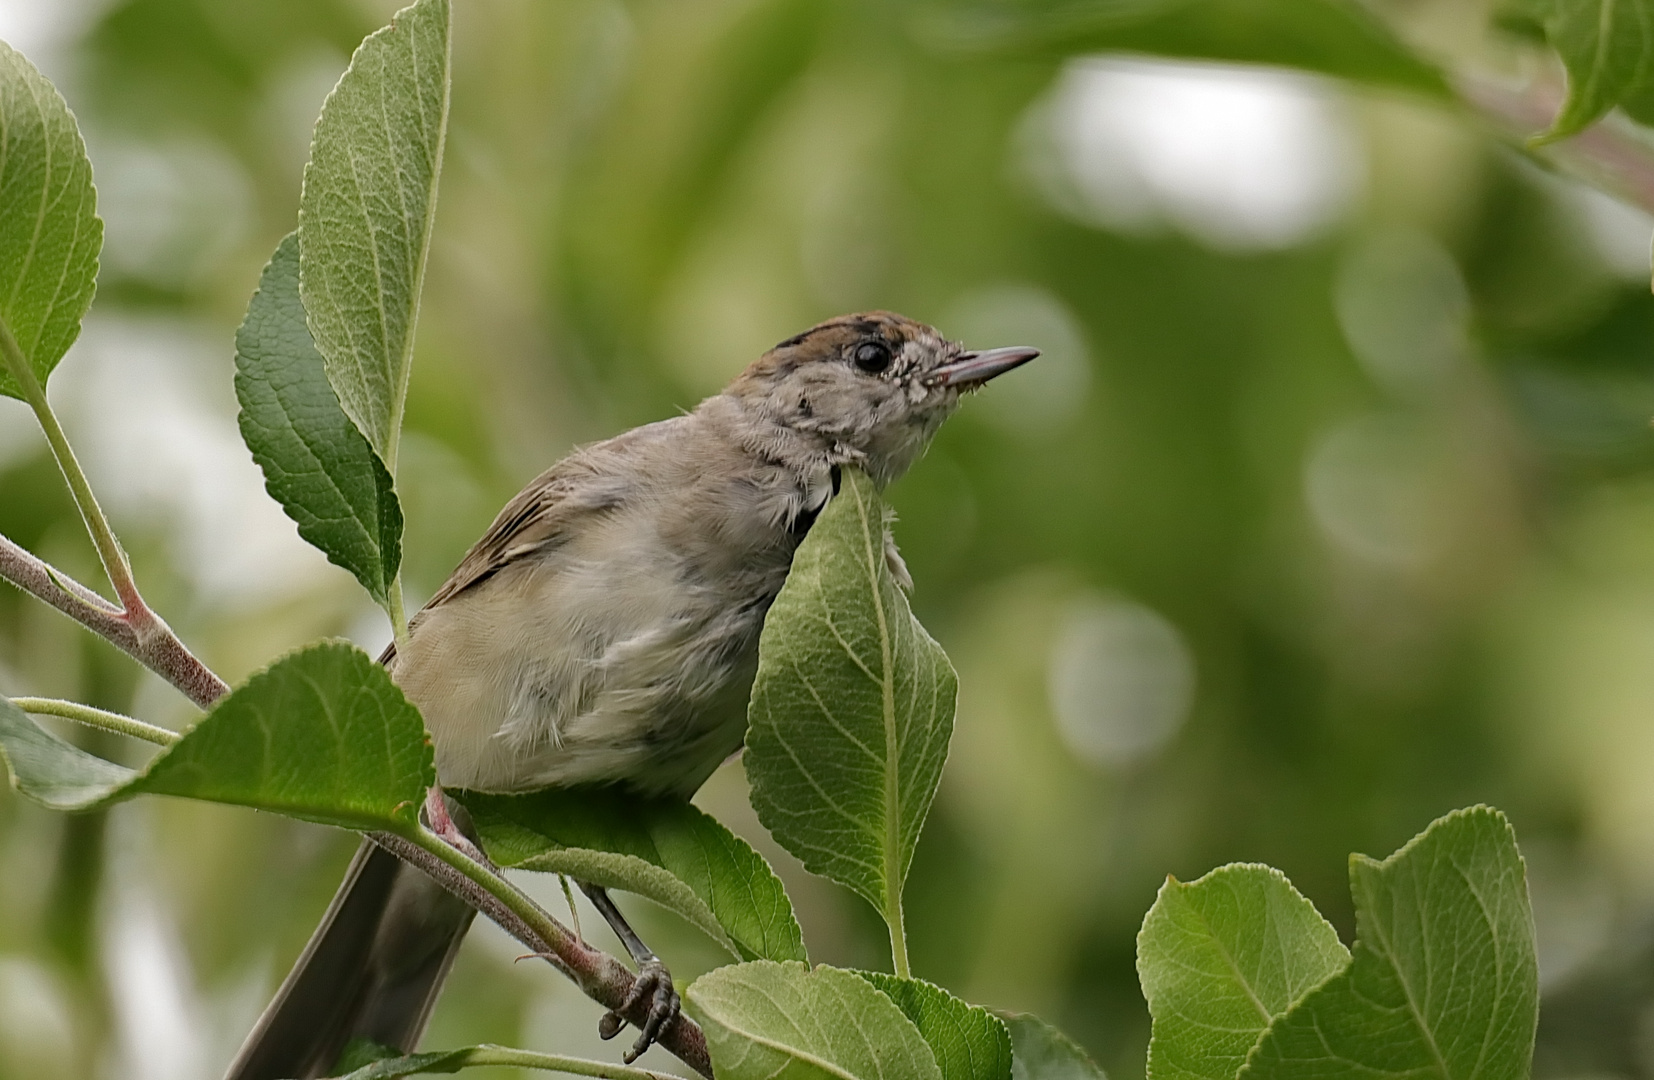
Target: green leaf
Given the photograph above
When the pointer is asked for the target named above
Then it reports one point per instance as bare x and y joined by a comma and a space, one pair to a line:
665, 849
1443, 982
322, 734
362, 1051
1335, 37
316, 464
366, 211
51, 771
970, 1043
1041, 1052
851, 710
1607, 47
1222, 957
767, 1020
50, 234
398, 1065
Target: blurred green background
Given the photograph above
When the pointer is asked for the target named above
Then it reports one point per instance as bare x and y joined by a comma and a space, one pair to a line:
1329, 508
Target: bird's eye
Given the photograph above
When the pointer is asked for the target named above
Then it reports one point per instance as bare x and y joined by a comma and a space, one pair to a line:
873, 356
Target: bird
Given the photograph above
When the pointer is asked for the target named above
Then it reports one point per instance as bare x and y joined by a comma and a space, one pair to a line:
604, 631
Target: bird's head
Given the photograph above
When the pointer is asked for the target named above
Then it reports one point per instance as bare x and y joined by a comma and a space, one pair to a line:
876, 384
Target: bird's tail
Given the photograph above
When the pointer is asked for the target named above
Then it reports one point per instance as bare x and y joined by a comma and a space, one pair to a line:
372, 970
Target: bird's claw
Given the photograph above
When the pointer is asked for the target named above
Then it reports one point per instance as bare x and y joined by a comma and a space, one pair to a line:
653, 983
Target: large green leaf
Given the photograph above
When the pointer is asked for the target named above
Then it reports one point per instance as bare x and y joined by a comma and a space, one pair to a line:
1443, 983
50, 234
1041, 1052
851, 710
1222, 957
665, 849
321, 734
366, 211
770, 1021
1607, 47
1335, 37
315, 462
970, 1043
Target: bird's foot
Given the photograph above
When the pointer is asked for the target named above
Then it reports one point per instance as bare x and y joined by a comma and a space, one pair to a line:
442, 823
654, 983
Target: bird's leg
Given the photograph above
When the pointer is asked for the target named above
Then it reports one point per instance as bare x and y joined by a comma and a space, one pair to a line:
442, 823
652, 979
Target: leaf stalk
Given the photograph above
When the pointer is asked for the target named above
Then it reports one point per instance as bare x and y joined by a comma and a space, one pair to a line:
102, 719
398, 615
529, 1059
114, 559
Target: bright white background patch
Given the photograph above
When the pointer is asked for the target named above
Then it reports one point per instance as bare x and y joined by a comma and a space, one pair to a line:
1240, 158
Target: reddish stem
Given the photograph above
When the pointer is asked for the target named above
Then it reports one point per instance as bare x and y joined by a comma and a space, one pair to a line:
145, 637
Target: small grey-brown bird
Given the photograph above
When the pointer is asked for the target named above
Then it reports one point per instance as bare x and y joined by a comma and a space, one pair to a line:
604, 630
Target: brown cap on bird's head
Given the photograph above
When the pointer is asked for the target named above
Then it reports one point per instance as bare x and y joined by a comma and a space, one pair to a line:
877, 343
877, 383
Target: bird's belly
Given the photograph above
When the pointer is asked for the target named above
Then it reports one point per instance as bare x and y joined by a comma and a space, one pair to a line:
595, 677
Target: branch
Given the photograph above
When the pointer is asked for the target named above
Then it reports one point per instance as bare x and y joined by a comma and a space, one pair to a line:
155, 646
1613, 154
599, 975
450, 1061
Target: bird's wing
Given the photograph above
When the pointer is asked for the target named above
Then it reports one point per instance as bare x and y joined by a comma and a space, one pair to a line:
535, 519
543, 514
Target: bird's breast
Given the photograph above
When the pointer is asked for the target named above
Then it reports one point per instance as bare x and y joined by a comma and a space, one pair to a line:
624, 655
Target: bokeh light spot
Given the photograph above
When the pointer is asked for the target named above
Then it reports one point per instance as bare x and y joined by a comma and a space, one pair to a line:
1121, 680
1403, 308
1038, 397
1371, 486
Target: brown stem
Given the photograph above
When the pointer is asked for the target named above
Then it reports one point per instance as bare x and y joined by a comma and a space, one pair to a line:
1612, 154
599, 975
145, 637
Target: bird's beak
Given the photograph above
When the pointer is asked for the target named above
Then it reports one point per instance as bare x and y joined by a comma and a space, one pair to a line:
969, 370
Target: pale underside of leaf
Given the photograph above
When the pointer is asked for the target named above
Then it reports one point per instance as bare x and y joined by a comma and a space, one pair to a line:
664, 849
636, 876
766, 1019
852, 707
1220, 958
366, 215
